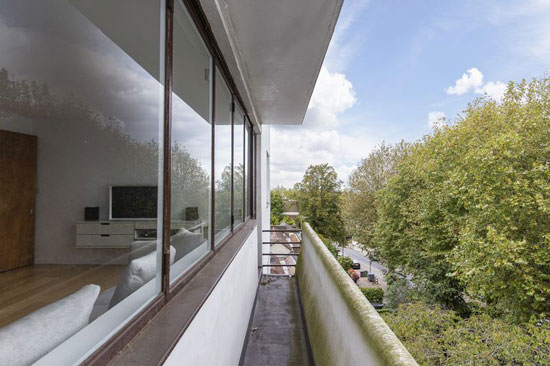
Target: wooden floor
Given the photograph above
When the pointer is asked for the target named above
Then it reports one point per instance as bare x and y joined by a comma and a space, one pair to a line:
27, 289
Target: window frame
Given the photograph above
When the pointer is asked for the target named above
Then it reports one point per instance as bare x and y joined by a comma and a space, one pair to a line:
236, 106
105, 352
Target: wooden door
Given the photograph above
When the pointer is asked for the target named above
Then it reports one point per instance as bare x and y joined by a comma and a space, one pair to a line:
17, 199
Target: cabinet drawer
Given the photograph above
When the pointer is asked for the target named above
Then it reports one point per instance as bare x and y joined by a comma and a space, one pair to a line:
146, 224
104, 241
99, 228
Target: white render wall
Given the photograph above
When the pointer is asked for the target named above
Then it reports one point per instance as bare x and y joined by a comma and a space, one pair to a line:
216, 335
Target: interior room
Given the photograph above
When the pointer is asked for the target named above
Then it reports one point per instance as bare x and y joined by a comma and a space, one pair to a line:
81, 115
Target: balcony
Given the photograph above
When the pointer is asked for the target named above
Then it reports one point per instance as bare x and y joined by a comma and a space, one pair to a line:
319, 316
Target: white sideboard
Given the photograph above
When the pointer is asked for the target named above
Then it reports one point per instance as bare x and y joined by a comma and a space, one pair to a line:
120, 234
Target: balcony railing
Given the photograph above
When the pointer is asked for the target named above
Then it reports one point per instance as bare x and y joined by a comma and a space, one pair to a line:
343, 328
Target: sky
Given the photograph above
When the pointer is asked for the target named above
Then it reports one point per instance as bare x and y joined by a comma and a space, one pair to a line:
395, 69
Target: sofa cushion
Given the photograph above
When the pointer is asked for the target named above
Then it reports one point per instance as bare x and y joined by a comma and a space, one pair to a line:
101, 304
31, 337
140, 271
139, 248
185, 243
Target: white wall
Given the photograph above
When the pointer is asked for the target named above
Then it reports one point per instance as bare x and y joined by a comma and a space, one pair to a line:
216, 335
74, 170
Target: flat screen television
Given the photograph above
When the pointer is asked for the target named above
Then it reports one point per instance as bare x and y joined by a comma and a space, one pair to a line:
132, 202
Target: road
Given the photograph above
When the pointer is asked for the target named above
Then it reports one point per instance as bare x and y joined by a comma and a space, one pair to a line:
378, 269
361, 258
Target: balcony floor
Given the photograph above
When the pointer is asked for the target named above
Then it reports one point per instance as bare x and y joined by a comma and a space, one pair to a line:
277, 335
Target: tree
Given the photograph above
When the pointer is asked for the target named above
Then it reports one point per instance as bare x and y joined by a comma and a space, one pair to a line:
277, 207
93, 134
319, 198
345, 262
468, 212
359, 200
435, 336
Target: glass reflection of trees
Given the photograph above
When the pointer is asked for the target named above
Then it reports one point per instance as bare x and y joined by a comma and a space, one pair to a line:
80, 122
223, 192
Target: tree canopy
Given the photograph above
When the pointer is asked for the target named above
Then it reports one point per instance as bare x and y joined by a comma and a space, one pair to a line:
359, 199
319, 198
435, 337
277, 207
468, 211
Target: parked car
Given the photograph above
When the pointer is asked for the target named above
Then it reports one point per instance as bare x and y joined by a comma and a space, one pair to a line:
356, 265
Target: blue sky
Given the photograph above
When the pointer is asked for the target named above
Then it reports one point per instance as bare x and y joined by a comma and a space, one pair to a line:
394, 66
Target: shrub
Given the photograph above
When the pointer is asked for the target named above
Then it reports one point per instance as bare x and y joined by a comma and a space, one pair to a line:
354, 276
345, 262
277, 207
329, 245
435, 336
399, 290
374, 294
289, 220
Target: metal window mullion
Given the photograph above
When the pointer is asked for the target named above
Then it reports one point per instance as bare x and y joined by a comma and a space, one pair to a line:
243, 178
232, 218
167, 148
213, 152
255, 179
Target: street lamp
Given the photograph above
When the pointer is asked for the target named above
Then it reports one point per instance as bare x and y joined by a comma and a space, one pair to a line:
348, 238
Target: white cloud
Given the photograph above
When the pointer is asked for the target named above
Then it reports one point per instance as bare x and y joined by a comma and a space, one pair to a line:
470, 80
495, 90
437, 119
333, 93
321, 138
318, 140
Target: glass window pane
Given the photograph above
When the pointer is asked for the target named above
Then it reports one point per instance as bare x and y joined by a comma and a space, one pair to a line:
222, 154
238, 165
81, 112
191, 145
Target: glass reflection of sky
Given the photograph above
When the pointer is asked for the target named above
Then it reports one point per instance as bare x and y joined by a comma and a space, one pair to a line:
50, 41
192, 131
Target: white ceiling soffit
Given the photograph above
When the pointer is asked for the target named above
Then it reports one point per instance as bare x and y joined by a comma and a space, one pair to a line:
274, 50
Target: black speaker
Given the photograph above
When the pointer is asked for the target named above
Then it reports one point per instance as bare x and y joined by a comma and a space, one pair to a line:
91, 213
191, 213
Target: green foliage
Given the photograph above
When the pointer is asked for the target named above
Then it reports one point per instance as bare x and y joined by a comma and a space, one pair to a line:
332, 249
223, 196
289, 220
374, 294
345, 262
286, 193
277, 207
359, 200
318, 195
87, 132
440, 337
399, 290
469, 208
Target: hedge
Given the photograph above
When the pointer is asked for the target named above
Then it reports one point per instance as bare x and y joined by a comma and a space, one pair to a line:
373, 294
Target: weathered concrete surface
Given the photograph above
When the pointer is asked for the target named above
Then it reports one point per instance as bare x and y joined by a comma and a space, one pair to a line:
343, 327
277, 336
